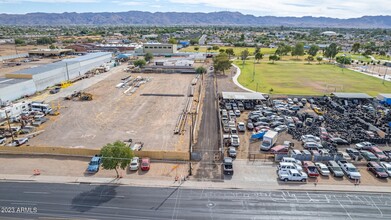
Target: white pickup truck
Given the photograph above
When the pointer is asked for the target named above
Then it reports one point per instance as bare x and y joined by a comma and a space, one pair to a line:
293, 175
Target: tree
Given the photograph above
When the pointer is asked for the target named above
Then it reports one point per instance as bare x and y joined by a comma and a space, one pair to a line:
148, 56
298, 50
209, 49
257, 50
222, 51
52, 47
215, 47
274, 57
230, 52
309, 58
356, 47
258, 56
283, 49
194, 41
221, 62
343, 60
172, 41
45, 40
313, 50
331, 51
116, 155
243, 55
201, 70
319, 59
140, 63
196, 48
367, 52
19, 41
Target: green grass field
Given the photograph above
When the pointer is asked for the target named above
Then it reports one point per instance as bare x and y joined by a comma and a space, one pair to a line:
378, 57
237, 50
356, 57
304, 79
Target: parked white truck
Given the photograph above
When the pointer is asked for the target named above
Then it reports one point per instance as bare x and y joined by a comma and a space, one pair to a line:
269, 139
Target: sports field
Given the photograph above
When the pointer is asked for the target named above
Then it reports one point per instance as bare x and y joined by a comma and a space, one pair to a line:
308, 79
237, 50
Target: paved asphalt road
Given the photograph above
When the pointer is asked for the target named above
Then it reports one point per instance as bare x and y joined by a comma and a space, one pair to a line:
207, 143
126, 202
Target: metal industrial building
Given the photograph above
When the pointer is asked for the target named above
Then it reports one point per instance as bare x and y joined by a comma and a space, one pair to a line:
160, 49
11, 89
28, 81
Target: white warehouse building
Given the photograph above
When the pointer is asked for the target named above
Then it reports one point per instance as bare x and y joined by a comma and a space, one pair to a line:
29, 81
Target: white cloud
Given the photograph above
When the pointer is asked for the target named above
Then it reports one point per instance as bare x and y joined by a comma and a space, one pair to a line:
129, 3
298, 8
50, 1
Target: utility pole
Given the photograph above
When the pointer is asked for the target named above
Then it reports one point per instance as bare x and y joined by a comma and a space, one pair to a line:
385, 74
9, 125
190, 149
254, 70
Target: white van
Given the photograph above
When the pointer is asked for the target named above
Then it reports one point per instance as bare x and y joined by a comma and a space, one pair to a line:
284, 167
40, 107
291, 160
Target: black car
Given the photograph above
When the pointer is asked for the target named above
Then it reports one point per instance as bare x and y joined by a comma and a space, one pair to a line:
354, 153
55, 90
338, 141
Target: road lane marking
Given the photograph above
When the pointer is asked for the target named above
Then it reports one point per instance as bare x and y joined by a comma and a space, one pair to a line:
36, 192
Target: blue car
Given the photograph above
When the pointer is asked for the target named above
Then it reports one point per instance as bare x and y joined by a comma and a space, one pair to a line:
94, 164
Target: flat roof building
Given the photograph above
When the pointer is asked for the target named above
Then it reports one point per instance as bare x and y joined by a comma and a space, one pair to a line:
160, 49
242, 96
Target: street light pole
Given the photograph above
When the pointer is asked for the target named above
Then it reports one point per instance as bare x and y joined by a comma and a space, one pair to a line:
9, 125
254, 70
385, 74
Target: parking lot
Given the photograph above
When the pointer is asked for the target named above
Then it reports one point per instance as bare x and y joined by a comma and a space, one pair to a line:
149, 115
332, 126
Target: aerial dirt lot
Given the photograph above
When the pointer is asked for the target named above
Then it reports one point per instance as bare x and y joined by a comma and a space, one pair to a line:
112, 115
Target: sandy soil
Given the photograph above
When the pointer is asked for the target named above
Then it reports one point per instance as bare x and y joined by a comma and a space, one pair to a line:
112, 115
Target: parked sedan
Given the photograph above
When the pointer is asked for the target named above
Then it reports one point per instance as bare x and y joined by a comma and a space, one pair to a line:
134, 164
369, 156
281, 128
19, 142
354, 153
377, 170
55, 90
145, 164
364, 145
241, 127
250, 126
387, 167
339, 141
309, 138
322, 168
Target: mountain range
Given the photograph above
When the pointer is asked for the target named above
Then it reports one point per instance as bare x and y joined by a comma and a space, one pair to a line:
184, 18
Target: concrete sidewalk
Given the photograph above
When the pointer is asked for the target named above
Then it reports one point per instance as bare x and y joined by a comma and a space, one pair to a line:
196, 184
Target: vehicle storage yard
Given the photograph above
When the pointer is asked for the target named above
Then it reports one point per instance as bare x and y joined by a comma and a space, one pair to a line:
149, 115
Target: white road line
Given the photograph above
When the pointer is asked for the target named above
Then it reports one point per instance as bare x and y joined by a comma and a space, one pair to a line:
36, 192
381, 213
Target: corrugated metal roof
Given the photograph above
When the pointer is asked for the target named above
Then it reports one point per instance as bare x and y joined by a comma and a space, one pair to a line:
61, 64
5, 82
346, 95
243, 95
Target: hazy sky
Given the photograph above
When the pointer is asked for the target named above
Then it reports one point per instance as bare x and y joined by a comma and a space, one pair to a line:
297, 8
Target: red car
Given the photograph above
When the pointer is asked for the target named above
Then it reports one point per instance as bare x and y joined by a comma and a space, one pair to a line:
310, 168
378, 153
377, 170
323, 134
145, 164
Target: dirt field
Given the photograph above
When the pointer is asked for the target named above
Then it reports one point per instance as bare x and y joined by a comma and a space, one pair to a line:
112, 115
